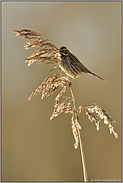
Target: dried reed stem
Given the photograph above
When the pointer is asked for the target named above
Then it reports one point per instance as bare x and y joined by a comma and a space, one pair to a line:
80, 139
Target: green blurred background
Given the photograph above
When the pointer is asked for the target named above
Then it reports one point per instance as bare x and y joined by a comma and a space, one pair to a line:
33, 147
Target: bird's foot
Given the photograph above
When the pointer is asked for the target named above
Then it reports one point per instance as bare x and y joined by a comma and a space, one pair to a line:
70, 84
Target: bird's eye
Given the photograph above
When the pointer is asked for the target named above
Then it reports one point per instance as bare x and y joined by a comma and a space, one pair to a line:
64, 52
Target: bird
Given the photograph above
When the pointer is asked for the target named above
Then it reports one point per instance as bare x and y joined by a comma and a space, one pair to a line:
71, 65
67, 61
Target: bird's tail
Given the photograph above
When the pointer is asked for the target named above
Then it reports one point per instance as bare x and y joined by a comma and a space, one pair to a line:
95, 75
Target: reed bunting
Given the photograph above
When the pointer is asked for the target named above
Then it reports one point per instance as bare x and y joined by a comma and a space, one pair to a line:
71, 65
68, 62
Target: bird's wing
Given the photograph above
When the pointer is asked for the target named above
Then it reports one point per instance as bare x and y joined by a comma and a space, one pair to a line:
78, 64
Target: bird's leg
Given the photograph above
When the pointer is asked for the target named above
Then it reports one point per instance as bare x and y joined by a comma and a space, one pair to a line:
71, 81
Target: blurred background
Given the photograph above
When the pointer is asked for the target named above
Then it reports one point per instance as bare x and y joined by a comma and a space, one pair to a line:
33, 147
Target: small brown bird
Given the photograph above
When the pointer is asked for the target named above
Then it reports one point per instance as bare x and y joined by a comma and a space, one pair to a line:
70, 64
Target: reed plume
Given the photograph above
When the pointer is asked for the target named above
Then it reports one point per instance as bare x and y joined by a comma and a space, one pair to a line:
48, 53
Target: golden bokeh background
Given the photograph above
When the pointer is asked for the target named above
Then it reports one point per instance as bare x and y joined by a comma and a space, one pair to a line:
33, 147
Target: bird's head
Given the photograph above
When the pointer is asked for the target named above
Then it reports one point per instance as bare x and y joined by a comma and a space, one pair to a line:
63, 51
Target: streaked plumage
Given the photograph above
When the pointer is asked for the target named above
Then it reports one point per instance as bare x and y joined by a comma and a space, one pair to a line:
70, 64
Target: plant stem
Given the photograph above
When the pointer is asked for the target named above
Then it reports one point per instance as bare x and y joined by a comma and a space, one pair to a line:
83, 158
80, 139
